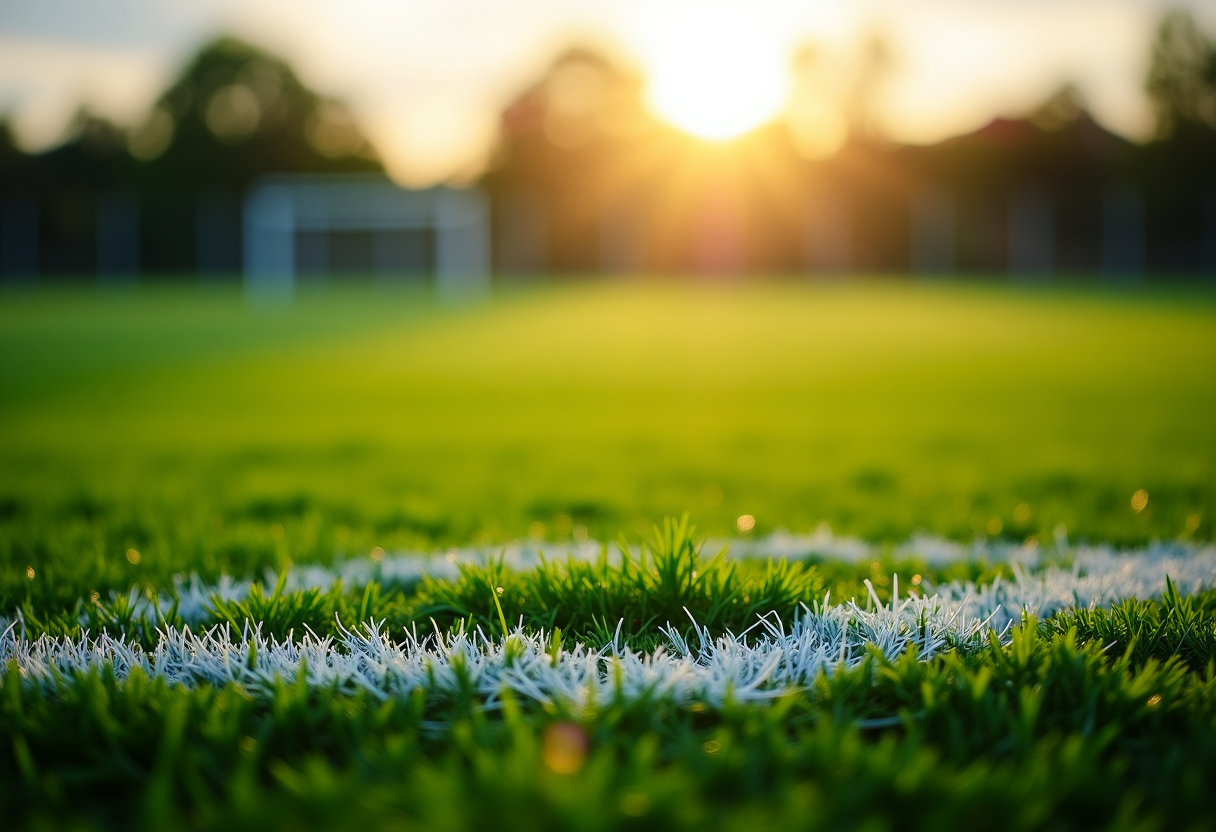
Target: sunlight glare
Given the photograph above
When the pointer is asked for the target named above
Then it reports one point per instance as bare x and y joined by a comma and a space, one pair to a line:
714, 71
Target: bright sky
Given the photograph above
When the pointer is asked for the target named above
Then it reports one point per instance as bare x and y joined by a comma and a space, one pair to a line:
427, 78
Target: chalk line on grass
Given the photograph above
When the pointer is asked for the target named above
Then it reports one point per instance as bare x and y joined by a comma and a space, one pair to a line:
770, 658
1095, 575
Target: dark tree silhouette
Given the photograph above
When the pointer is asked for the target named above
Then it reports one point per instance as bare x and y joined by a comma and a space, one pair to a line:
169, 190
1182, 80
235, 113
1177, 170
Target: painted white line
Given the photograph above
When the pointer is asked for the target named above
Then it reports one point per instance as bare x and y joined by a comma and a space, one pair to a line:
1096, 574
771, 659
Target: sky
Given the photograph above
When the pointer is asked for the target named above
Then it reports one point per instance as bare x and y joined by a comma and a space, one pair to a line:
427, 79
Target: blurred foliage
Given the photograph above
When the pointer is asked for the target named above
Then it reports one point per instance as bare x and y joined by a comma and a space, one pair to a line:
584, 178
235, 113
1182, 79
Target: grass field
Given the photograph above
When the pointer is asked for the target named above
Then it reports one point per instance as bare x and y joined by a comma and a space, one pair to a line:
172, 431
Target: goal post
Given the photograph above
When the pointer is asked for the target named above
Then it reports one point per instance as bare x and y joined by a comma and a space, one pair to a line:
279, 209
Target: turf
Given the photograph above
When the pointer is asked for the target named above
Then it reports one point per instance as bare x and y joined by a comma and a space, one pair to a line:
150, 434
200, 433
1085, 748
1047, 729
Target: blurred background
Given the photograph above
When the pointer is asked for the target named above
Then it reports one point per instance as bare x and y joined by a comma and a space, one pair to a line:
468, 139
895, 268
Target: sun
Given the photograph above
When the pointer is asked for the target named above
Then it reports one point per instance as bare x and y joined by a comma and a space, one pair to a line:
713, 71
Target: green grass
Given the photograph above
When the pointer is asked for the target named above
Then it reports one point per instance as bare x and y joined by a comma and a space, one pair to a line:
1101, 718
667, 581
147, 434
209, 436
1049, 732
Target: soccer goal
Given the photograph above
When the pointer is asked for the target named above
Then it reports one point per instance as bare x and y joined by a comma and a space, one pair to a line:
320, 225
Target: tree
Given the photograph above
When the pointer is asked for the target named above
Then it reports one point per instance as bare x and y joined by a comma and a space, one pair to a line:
235, 113
1182, 80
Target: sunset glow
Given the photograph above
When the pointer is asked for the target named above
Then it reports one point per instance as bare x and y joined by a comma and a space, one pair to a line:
427, 82
713, 73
